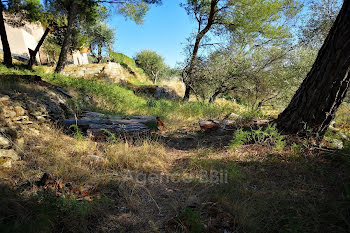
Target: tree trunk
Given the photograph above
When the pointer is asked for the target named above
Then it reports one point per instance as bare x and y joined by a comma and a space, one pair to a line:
187, 92
199, 37
33, 54
67, 39
99, 55
5, 44
315, 103
214, 96
187, 80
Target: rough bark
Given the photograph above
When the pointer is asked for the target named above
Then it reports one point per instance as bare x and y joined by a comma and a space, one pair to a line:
36, 50
220, 90
88, 122
5, 44
98, 125
315, 103
67, 39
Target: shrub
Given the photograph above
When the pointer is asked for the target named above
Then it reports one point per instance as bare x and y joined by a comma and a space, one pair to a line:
260, 135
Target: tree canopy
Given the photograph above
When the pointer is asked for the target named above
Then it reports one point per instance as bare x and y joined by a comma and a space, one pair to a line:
151, 63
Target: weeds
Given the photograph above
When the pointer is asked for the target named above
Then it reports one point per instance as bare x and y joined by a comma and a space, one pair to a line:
77, 132
191, 219
45, 213
273, 193
268, 135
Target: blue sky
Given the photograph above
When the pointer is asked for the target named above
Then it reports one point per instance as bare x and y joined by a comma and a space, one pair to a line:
164, 30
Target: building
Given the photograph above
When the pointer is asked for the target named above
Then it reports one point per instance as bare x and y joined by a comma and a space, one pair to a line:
21, 39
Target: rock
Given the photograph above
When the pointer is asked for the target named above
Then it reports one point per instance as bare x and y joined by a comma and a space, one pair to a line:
27, 122
338, 144
11, 132
10, 114
5, 162
19, 111
20, 143
165, 92
4, 142
156, 91
21, 118
97, 158
11, 154
4, 98
34, 132
233, 116
41, 118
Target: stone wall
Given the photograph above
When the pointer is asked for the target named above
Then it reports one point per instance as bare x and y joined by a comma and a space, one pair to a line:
110, 71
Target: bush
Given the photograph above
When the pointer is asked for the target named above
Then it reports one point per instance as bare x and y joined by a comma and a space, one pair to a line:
268, 135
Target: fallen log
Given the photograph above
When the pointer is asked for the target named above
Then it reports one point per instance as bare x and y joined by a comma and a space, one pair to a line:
99, 125
100, 116
88, 122
227, 124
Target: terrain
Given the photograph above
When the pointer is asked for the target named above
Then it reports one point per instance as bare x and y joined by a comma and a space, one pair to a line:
176, 179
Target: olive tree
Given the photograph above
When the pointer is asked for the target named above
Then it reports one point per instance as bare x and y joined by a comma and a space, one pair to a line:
151, 63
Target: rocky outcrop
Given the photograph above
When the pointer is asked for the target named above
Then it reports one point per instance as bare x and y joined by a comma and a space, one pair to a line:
111, 71
154, 91
26, 104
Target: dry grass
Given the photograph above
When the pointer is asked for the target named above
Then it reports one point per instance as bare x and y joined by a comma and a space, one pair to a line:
294, 190
343, 118
177, 86
85, 161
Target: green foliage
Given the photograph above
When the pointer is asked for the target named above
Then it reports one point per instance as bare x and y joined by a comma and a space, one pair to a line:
125, 61
258, 32
122, 59
44, 213
124, 101
240, 137
135, 9
77, 132
252, 62
136, 12
260, 135
100, 37
111, 137
151, 63
192, 221
320, 18
25, 10
52, 49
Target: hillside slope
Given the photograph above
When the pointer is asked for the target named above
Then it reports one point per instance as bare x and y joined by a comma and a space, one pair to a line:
180, 179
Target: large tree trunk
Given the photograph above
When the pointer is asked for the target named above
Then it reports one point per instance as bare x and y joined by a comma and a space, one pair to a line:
314, 105
5, 44
36, 50
67, 39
